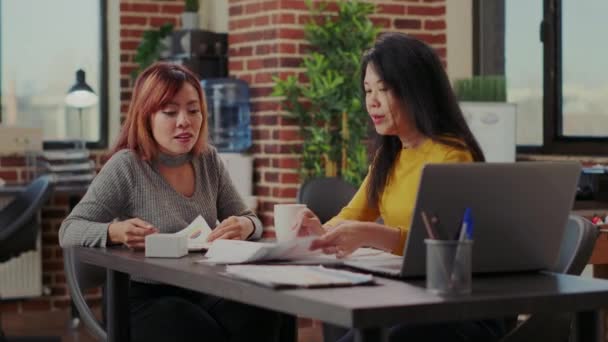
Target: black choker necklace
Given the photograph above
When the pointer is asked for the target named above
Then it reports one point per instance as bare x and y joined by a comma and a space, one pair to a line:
173, 161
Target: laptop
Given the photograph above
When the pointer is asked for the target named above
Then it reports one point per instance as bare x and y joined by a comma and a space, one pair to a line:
519, 211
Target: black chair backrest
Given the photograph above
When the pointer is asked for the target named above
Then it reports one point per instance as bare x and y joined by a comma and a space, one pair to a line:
575, 251
18, 229
326, 196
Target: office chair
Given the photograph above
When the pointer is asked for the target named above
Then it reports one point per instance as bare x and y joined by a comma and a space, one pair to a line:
326, 196
80, 277
19, 228
576, 249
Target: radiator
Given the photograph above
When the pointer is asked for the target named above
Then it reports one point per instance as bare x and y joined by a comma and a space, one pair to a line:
21, 276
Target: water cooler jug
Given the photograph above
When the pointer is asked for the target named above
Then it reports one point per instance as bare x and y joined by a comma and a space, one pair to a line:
228, 106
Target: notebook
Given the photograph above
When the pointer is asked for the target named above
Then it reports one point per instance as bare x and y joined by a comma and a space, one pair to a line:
519, 210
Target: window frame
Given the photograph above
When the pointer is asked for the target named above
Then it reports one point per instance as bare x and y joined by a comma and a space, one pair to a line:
102, 143
550, 34
554, 141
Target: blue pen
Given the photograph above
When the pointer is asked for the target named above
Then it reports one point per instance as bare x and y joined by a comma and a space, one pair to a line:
466, 230
469, 219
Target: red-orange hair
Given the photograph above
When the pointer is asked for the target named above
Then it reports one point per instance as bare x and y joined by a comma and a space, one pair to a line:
154, 88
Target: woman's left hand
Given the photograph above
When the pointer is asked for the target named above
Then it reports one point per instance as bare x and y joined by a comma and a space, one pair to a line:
232, 228
343, 239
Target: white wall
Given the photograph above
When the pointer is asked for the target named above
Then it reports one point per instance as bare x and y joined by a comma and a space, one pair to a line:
459, 22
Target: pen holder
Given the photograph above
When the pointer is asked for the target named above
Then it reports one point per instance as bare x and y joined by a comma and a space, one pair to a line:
448, 266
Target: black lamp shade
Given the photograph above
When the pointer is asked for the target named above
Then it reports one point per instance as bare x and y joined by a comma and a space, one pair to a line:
81, 95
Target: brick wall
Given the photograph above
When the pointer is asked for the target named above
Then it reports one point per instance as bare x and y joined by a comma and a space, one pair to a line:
137, 16
266, 38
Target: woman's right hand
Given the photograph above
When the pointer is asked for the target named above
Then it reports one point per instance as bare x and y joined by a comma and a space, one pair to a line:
131, 232
307, 223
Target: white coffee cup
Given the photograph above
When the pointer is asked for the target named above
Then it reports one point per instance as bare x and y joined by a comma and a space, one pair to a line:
284, 219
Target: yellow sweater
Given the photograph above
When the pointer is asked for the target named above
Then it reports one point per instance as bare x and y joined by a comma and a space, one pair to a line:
397, 201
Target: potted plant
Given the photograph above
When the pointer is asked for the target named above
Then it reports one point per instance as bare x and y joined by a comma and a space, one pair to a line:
491, 119
190, 15
151, 48
333, 121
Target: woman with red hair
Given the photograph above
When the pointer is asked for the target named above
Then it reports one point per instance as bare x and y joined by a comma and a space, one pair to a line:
161, 176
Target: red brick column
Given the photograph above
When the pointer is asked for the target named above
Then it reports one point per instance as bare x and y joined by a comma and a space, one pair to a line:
137, 16
266, 38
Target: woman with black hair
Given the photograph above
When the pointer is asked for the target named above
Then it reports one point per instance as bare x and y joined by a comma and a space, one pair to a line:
416, 115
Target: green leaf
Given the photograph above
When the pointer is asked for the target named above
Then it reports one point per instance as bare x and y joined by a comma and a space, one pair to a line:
149, 49
332, 68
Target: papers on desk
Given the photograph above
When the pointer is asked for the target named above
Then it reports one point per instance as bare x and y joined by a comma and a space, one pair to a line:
284, 276
197, 233
295, 252
238, 251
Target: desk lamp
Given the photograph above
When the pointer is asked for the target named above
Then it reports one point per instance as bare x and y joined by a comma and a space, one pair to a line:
81, 96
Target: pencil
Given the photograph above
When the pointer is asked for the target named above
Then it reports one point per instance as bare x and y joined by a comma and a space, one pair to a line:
427, 225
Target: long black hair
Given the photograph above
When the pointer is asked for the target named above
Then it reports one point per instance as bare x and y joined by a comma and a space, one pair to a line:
414, 74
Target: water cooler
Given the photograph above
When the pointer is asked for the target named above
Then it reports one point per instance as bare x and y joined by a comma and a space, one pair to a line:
230, 130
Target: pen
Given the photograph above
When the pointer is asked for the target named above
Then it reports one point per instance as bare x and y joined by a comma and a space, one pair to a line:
469, 230
465, 230
427, 225
466, 233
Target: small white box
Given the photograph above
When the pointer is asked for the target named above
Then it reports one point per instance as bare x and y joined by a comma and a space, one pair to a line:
166, 245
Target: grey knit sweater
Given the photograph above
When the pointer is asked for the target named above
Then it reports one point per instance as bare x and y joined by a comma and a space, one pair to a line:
128, 187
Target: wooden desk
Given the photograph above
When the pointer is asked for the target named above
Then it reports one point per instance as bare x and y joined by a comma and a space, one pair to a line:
367, 309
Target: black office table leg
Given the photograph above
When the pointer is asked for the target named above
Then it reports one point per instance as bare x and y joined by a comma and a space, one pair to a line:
589, 326
371, 334
119, 319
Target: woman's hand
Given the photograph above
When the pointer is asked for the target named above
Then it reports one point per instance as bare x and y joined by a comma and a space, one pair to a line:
347, 236
232, 228
343, 239
307, 223
131, 232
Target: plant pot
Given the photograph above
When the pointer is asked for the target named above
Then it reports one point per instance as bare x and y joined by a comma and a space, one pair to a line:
494, 126
190, 21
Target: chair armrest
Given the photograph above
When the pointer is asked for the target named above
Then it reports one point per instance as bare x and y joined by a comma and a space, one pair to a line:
78, 298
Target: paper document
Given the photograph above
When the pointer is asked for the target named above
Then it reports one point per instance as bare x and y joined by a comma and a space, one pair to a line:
197, 233
297, 276
238, 251
361, 254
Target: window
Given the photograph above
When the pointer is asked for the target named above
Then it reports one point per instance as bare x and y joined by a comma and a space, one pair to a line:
554, 62
42, 45
524, 68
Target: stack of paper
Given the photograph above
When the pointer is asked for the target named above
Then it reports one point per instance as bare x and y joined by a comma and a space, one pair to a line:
278, 276
238, 251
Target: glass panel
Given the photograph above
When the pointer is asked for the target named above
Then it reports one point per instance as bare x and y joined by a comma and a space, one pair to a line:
524, 67
43, 43
584, 68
